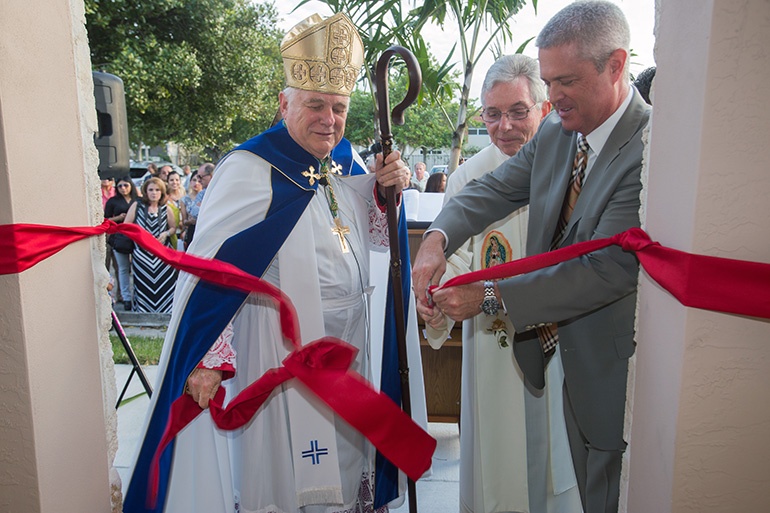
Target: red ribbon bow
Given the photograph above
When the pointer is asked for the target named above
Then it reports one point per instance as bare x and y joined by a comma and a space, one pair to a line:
323, 366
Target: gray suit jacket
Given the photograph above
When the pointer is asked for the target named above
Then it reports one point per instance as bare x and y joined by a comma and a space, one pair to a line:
592, 298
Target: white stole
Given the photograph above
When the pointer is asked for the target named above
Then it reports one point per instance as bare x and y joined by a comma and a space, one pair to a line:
313, 440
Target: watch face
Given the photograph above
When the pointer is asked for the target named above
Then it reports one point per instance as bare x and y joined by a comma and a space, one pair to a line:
490, 306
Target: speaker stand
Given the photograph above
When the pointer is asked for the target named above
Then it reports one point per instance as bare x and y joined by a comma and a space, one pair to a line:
134, 361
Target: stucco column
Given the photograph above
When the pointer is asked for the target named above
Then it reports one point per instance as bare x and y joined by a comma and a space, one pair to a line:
54, 454
701, 414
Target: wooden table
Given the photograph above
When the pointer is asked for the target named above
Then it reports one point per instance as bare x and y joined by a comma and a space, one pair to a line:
442, 368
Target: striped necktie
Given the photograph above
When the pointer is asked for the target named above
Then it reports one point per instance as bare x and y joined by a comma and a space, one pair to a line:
549, 337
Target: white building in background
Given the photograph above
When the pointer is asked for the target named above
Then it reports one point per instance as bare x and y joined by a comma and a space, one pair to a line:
477, 138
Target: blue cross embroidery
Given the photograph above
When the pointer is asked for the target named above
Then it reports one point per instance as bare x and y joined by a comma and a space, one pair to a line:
315, 453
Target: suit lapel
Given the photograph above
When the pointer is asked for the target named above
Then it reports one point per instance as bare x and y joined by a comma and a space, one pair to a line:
628, 124
563, 152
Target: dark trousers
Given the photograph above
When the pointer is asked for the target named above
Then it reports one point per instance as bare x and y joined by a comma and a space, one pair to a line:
597, 471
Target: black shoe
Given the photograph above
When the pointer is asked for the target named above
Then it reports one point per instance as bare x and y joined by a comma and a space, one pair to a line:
127, 306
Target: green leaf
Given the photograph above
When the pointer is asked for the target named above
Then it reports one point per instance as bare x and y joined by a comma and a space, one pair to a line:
203, 73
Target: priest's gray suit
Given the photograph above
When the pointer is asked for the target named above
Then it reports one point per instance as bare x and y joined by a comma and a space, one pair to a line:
591, 298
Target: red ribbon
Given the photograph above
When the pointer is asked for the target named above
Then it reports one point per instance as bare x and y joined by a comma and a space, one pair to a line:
323, 366
24, 245
699, 281
712, 283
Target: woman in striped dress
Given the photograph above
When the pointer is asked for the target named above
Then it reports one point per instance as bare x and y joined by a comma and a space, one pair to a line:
153, 280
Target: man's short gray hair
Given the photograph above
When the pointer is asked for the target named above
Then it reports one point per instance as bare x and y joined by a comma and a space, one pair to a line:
599, 28
206, 169
510, 67
289, 92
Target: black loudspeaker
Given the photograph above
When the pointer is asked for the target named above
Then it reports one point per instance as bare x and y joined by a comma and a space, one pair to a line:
111, 139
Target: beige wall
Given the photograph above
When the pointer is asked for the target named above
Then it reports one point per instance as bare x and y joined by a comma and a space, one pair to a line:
54, 454
701, 414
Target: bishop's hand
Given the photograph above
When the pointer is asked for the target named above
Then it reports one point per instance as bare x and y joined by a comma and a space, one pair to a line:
202, 385
392, 172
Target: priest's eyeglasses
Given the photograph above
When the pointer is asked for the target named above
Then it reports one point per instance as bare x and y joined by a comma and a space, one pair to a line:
515, 114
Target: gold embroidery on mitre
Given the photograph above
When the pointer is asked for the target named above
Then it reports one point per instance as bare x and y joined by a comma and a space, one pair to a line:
323, 55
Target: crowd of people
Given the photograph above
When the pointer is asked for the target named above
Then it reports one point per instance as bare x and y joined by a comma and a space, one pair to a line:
545, 353
164, 207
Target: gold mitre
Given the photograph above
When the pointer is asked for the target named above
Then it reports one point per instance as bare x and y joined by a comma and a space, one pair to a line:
323, 55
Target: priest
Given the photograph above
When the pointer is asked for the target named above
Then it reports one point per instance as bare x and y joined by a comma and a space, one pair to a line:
514, 454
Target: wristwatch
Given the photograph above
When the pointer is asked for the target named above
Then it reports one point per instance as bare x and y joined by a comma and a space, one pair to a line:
490, 305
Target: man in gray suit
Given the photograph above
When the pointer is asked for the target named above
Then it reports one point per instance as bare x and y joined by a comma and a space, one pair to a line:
586, 305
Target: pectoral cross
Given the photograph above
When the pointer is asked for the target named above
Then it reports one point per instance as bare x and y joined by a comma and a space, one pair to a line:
340, 231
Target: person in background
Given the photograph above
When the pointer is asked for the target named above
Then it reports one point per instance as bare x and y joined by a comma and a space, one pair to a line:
436, 183
204, 174
371, 162
643, 83
175, 195
186, 175
188, 200
505, 427
164, 171
108, 190
409, 178
118, 244
154, 280
419, 177
153, 169
581, 177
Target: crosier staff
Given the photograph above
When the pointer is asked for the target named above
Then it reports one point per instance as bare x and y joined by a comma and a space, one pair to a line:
383, 106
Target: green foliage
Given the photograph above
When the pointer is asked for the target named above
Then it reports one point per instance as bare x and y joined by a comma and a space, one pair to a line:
203, 73
425, 125
359, 127
469, 19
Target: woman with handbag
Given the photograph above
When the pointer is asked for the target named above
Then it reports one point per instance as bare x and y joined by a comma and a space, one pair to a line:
121, 246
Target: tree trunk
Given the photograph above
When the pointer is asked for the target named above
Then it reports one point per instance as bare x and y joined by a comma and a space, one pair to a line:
461, 126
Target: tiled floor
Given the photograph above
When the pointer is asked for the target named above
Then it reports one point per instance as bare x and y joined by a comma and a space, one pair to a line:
437, 493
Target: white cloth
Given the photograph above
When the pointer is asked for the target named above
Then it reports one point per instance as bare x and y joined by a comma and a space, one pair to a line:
256, 468
599, 136
506, 462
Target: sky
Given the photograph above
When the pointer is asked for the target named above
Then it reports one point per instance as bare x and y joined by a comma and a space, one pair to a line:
526, 24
